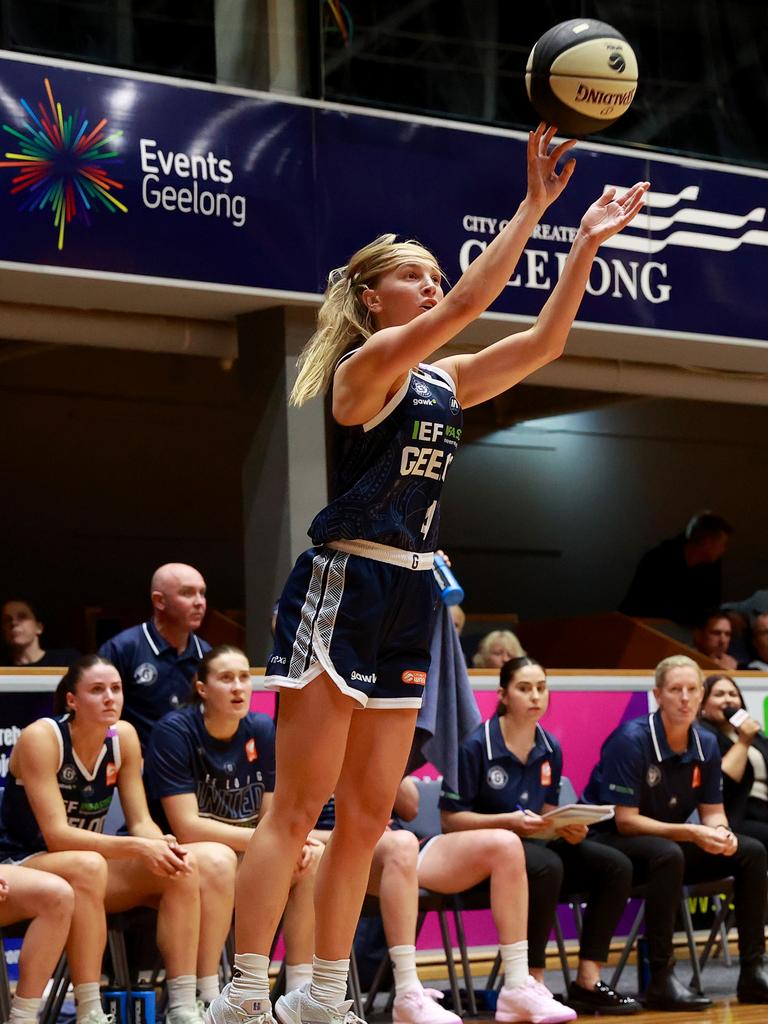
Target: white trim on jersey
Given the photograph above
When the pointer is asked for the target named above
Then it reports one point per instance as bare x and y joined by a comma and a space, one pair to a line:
150, 641
391, 405
488, 749
447, 381
57, 733
116, 752
386, 703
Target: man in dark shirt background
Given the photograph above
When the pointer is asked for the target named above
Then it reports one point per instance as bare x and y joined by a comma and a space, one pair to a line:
681, 578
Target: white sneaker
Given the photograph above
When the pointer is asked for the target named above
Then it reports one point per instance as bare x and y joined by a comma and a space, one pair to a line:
221, 1011
298, 1007
98, 1017
186, 1014
531, 1002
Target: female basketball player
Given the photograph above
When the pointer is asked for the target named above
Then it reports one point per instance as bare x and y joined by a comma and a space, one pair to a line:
354, 619
63, 773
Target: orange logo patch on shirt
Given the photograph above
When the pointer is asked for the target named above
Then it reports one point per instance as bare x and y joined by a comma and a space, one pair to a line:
250, 750
111, 774
696, 781
414, 678
546, 773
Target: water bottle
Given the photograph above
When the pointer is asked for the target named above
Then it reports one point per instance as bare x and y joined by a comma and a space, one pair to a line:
451, 591
115, 1002
143, 999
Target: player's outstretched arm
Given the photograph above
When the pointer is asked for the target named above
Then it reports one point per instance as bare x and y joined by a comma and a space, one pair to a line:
486, 374
393, 350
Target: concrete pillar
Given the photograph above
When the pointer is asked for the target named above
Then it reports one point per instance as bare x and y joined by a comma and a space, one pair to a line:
284, 467
261, 44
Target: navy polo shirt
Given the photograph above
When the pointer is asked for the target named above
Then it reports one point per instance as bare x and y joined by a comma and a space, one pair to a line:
156, 678
493, 781
637, 768
229, 777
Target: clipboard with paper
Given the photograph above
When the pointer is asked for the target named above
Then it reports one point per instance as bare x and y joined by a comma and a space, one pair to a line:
575, 814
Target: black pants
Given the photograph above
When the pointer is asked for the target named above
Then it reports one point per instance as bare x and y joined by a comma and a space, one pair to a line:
664, 866
558, 869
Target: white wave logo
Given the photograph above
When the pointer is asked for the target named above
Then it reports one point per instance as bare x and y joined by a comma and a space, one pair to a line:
651, 222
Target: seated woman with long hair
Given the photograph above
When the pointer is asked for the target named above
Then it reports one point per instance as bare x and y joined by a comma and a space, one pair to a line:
211, 768
62, 777
509, 775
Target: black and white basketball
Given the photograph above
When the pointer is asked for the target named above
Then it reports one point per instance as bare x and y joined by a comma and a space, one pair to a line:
581, 76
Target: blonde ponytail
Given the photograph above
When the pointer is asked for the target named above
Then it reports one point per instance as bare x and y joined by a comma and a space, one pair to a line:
343, 319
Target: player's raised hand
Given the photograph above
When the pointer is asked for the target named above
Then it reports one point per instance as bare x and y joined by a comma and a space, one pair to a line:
545, 183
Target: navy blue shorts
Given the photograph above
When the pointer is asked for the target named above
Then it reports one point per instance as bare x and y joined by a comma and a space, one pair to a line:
366, 623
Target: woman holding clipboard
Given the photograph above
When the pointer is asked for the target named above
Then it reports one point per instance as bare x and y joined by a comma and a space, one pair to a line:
509, 776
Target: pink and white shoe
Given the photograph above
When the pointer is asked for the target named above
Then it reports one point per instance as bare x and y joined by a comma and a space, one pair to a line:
419, 1005
532, 1002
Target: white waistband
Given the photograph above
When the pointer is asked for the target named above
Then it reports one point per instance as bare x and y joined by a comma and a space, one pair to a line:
384, 553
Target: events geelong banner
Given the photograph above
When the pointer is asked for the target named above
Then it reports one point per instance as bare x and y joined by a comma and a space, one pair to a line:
106, 172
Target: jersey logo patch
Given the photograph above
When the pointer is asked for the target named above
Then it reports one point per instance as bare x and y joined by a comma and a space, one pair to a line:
414, 678
68, 773
111, 774
653, 775
421, 389
145, 674
497, 778
696, 780
546, 773
455, 407
250, 750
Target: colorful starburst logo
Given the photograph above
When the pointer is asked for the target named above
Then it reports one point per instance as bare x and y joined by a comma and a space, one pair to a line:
62, 164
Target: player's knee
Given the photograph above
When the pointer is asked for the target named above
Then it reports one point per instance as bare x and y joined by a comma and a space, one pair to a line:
361, 824
668, 857
216, 864
87, 873
400, 851
503, 849
56, 898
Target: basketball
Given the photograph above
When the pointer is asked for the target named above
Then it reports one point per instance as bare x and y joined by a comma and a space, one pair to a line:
581, 76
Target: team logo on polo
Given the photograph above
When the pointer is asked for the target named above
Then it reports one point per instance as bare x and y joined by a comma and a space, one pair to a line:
145, 674
63, 164
497, 778
653, 775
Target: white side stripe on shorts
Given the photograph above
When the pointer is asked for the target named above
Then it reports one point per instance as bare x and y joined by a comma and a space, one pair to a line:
321, 605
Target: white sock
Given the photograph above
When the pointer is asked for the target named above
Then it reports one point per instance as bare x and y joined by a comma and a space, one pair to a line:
88, 998
208, 988
329, 981
181, 992
24, 1009
514, 956
250, 979
297, 975
403, 960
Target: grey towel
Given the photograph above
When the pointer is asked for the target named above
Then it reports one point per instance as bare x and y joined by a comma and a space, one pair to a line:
449, 712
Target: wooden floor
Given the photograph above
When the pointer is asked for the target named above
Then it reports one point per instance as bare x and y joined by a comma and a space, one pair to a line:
723, 1012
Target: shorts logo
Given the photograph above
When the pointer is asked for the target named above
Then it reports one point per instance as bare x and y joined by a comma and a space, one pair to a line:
696, 780
653, 775
421, 389
412, 677
250, 750
68, 773
546, 773
360, 677
497, 778
111, 774
278, 659
145, 674
455, 407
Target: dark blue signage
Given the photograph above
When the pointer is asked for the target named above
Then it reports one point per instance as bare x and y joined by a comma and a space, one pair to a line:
142, 177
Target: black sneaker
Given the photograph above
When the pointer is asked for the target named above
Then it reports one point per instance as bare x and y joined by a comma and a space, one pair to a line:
600, 999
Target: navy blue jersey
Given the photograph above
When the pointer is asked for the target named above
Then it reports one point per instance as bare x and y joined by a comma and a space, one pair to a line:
493, 781
86, 795
156, 678
637, 768
228, 777
389, 472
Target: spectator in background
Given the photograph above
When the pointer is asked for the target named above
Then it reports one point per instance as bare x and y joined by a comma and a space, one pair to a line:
712, 636
22, 631
658, 769
744, 752
680, 578
743, 613
496, 648
759, 642
158, 659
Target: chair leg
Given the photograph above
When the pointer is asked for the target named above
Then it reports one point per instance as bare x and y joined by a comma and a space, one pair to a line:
278, 987
376, 984
561, 950
496, 973
59, 985
5, 986
685, 912
448, 949
631, 939
466, 969
354, 984
119, 957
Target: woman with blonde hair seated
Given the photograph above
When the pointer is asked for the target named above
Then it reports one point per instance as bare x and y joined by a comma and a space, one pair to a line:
496, 648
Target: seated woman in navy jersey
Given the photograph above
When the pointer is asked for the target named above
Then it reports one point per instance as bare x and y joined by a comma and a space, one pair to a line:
509, 774
47, 903
210, 767
450, 864
63, 774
